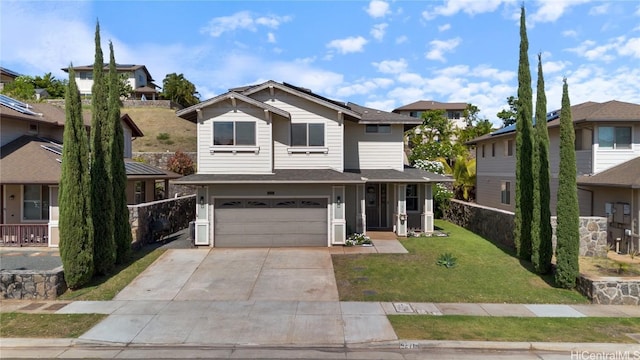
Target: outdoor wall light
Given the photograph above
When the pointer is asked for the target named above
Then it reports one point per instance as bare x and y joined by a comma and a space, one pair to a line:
201, 201
339, 201
11, 197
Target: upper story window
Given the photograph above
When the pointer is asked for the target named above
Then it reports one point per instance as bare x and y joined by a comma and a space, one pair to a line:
453, 115
307, 135
614, 137
378, 129
234, 133
508, 147
493, 149
86, 75
415, 114
505, 192
482, 150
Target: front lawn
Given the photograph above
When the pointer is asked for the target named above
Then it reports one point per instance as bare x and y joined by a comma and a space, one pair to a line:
476, 328
18, 325
484, 273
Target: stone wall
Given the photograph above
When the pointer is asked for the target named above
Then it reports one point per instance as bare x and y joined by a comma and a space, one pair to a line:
151, 221
610, 290
32, 284
160, 160
498, 225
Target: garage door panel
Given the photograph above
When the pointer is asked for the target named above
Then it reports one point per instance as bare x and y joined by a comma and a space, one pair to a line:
272, 226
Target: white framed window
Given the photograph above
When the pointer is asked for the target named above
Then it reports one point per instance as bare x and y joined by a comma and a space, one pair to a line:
454, 115
378, 129
234, 133
86, 75
412, 198
505, 192
35, 202
493, 149
307, 135
614, 137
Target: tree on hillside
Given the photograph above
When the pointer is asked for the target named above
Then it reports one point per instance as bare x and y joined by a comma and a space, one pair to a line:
21, 88
541, 245
121, 227
568, 229
475, 126
55, 88
509, 116
178, 89
124, 87
101, 170
524, 148
74, 197
432, 139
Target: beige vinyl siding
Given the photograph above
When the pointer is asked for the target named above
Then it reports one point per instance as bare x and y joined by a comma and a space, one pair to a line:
275, 190
229, 162
489, 188
12, 130
500, 163
304, 111
373, 151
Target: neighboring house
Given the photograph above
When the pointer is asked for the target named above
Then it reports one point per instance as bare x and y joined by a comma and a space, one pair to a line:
453, 111
281, 166
7, 76
30, 156
138, 76
607, 158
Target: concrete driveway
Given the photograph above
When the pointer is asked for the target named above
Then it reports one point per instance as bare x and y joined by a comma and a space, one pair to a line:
277, 296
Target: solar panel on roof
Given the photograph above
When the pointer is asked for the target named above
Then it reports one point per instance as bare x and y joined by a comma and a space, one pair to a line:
16, 105
552, 115
53, 147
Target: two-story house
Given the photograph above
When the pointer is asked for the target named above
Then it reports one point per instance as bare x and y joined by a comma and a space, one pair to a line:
281, 166
137, 75
607, 158
30, 157
453, 111
7, 76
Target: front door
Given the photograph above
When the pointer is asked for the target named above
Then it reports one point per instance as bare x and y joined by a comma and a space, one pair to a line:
376, 206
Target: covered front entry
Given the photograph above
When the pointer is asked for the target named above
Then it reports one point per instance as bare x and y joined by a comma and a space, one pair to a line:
270, 222
376, 206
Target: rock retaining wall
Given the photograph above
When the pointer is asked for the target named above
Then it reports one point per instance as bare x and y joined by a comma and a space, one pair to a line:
497, 225
32, 284
610, 290
151, 221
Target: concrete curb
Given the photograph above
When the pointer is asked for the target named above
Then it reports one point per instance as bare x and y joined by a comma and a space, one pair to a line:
395, 345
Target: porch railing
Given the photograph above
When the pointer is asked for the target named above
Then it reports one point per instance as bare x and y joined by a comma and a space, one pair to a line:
24, 235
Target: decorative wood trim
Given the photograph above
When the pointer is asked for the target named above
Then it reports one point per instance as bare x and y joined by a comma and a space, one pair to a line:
308, 150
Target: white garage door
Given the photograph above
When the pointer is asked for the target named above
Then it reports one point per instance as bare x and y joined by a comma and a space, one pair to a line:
270, 222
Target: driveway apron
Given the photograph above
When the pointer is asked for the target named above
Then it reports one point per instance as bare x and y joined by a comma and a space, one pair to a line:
257, 296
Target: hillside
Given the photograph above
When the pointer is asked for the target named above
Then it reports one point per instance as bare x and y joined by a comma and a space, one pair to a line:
178, 134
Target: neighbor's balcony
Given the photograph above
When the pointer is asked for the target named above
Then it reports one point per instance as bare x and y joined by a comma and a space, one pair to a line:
24, 235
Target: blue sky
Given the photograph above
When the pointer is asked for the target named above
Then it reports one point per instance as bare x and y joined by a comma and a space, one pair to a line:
382, 54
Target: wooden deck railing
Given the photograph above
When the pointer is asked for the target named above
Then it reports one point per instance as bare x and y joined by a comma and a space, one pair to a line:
24, 235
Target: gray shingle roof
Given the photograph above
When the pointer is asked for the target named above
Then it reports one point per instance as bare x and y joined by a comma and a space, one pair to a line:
625, 175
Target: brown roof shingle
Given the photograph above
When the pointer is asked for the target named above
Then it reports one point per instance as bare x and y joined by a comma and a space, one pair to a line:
625, 175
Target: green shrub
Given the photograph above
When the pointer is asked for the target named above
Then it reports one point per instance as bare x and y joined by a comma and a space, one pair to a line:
447, 260
163, 136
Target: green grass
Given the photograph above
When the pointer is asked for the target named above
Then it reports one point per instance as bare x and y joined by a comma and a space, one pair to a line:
18, 325
474, 328
484, 273
106, 287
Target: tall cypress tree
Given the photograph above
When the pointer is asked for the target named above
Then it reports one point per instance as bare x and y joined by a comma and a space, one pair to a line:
122, 228
568, 229
524, 149
101, 178
541, 245
74, 197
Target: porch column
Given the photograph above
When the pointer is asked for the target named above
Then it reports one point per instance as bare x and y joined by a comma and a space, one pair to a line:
202, 217
53, 232
401, 210
361, 215
427, 215
338, 222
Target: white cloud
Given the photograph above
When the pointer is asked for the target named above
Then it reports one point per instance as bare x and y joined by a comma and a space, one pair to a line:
378, 31
550, 67
385, 105
452, 71
391, 66
599, 9
552, 10
485, 71
243, 20
444, 27
271, 38
590, 50
631, 48
570, 33
377, 8
363, 87
440, 47
349, 45
470, 7
402, 39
